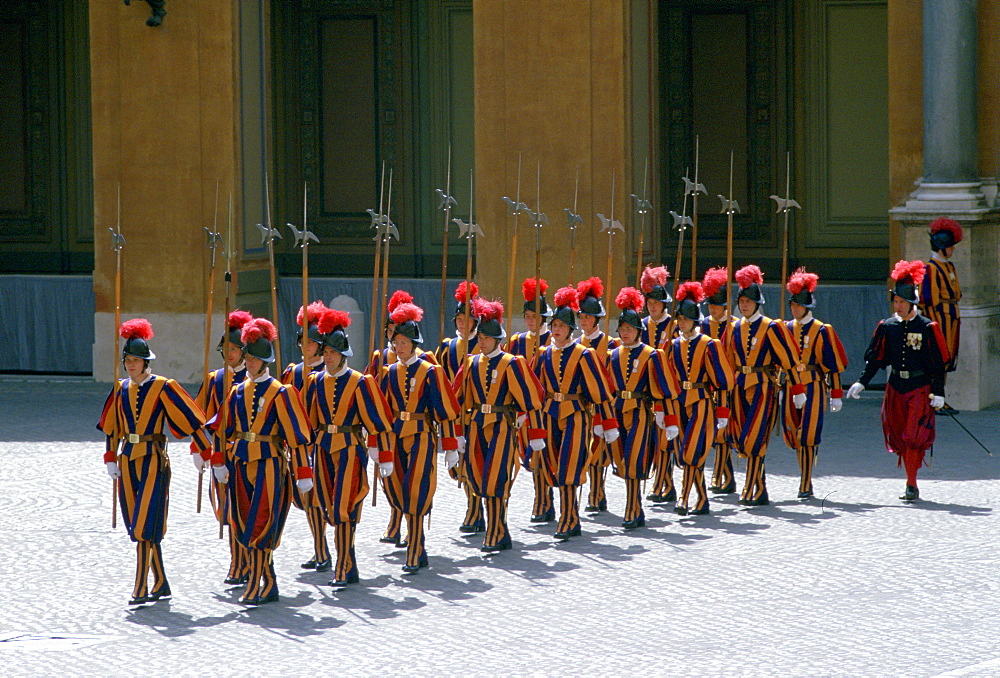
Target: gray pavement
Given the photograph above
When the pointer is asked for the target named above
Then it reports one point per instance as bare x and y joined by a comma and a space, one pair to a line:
854, 583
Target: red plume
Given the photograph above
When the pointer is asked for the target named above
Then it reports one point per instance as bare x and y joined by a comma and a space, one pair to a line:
398, 297
257, 328
314, 310
802, 280
950, 225
407, 311
528, 288
593, 287
652, 277
237, 319
715, 280
460, 291
566, 296
749, 275
490, 310
332, 319
138, 328
629, 298
908, 269
691, 290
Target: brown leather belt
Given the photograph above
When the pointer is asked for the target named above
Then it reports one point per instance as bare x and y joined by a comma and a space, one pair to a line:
561, 397
486, 408
633, 395
688, 385
334, 428
254, 437
806, 368
412, 416
135, 438
747, 369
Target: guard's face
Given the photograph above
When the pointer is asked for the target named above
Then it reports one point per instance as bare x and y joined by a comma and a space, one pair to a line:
587, 322
234, 356
531, 320
311, 350
390, 328
901, 306
747, 306
685, 323
717, 311
560, 331
464, 324
948, 251
403, 347
798, 310
655, 307
629, 335
487, 344
332, 359
135, 367
255, 366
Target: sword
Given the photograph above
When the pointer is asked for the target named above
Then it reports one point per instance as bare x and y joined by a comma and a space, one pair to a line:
978, 442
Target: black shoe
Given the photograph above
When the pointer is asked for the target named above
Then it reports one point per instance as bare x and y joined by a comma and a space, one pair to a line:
386, 539
411, 569
472, 528
598, 507
763, 501
233, 581
808, 494
670, 496
745, 502
160, 593
699, 512
309, 564
655, 498
634, 523
546, 517
715, 489
563, 536
269, 598
402, 544
138, 600
250, 601
911, 494
502, 545
728, 489
323, 565
681, 510
341, 583
947, 409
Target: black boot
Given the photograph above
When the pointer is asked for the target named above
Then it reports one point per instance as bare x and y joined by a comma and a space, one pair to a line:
911, 494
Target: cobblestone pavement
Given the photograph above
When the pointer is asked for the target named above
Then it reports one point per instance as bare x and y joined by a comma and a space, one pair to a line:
854, 583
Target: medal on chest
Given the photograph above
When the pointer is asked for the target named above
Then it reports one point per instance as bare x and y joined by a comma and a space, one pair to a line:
914, 340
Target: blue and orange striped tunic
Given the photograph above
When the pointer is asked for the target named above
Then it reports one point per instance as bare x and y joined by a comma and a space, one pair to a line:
821, 360
939, 297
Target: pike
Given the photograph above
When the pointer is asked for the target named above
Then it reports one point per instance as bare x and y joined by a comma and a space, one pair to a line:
785, 205
302, 238
117, 243
469, 231
573, 220
445, 203
267, 236
694, 188
377, 225
730, 207
538, 220
214, 240
610, 226
516, 208
952, 415
227, 377
642, 208
681, 224
387, 229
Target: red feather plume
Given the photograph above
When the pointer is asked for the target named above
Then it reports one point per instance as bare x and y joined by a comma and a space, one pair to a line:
566, 296
908, 269
749, 275
629, 298
137, 328
460, 291
592, 287
407, 311
398, 297
950, 225
257, 328
490, 310
715, 280
528, 288
332, 319
652, 277
314, 310
802, 280
691, 290
237, 319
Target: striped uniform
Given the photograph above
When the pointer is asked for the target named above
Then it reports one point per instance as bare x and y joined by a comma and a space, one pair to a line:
600, 458
759, 348
294, 375
821, 359
418, 395
573, 378
262, 416
701, 368
529, 345
656, 334
134, 414
723, 478
338, 406
208, 399
939, 297
450, 355
492, 391
638, 378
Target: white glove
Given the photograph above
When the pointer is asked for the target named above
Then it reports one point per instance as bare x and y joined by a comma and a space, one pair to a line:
658, 416
855, 390
385, 468
373, 454
221, 474
611, 435
521, 418
722, 423
836, 404
461, 443
672, 432
451, 459
113, 469
304, 484
537, 445
199, 462
937, 402
799, 400
599, 431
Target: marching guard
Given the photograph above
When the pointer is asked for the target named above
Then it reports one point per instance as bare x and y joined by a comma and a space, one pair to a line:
493, 389
821, 359
717, 325
261, 416
342, 404
136, 451
913, 346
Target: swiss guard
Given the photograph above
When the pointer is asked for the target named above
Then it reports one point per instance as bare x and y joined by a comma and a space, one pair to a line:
717, 325
913, 348
940, 291
658, 328
136, 452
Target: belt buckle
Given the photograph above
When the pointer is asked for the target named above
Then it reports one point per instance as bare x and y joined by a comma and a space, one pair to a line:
558, 397
904, 374
404, 416
486, 408
747, 369
331, 428
250, 436
800, 367
133, 438
686, 385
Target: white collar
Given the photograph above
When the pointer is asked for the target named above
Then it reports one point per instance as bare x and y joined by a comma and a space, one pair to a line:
263, 377
341, 372
568, 343
630, 346
661, 318
754, 318
905, 320
497, 351
148, 377
318, 361
937, 256
807, 318
594, 335
413, 358
241, 366
694, 333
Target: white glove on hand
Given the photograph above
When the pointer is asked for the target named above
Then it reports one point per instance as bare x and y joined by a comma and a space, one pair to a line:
461, 444
221, 474
799, 400
658, 416
722, 423
672, 432
199, 463
373, 454
537, 445
113, 469
599, 431
836, 404
304, 484
385, 468
521, 418
611, 435
855, 390
451, 459
937, 402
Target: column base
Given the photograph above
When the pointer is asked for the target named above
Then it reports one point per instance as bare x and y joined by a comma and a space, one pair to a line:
973, 386
941, 197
